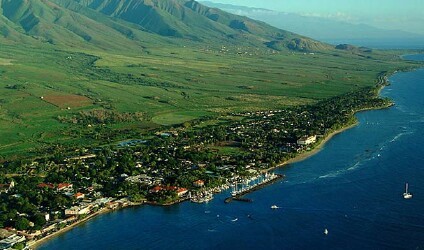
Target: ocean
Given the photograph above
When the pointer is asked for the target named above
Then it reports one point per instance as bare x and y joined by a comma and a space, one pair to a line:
353, 188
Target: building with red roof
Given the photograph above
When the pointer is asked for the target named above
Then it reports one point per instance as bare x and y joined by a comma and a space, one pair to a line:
45, 185
64, 186
199, 183
178, 190
79, 195
182, 191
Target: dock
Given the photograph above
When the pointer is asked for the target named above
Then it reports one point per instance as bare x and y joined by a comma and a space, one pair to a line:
239, 195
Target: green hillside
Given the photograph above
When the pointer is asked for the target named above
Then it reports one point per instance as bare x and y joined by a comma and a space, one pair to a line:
77, 73
132, 24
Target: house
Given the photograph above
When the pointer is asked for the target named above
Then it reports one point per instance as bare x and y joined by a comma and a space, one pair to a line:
79, 195
45, 185
77, 211
181, 191
64, 186
112, 205
199, 183
102, 201
49, 228
5, 188
307, 140
70, 219
156, 189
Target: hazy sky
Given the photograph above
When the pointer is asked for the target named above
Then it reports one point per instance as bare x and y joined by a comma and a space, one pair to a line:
390, 14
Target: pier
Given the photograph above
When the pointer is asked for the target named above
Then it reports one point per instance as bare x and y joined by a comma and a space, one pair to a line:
237, 195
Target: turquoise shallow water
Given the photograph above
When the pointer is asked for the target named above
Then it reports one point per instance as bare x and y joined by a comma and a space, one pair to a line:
353, 187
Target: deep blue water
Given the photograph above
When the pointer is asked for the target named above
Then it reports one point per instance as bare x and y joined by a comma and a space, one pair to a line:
353, 187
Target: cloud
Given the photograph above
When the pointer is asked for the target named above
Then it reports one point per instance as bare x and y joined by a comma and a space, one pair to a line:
339, 16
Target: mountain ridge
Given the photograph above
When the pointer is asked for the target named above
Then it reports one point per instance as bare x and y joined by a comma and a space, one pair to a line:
131, 24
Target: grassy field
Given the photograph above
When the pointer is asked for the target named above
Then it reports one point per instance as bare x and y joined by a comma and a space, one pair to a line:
169, 85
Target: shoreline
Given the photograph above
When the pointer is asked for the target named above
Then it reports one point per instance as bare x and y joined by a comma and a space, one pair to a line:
307, 154
35, 244
302, 156
298, 158
384, 82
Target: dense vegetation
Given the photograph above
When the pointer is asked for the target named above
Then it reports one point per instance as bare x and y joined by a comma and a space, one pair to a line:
104, 65
260, 140
168, 86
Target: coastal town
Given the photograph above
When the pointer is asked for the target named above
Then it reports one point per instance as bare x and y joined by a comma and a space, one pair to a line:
48, 195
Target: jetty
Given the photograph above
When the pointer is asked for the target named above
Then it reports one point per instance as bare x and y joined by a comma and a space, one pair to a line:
237, 194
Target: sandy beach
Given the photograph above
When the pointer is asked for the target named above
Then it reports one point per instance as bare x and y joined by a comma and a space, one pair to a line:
305, 155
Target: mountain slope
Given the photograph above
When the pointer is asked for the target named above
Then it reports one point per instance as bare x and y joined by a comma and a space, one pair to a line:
45, 21
131, 24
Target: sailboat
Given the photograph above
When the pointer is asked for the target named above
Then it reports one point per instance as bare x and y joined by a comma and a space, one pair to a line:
407, 195
326, 231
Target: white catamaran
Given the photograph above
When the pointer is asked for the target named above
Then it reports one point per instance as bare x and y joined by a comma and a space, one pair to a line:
407, 195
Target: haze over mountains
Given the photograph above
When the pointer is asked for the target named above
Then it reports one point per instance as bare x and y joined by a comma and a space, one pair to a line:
130, 24
330, 31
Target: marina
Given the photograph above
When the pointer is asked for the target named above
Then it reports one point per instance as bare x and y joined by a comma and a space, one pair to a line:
201, 197
251, 185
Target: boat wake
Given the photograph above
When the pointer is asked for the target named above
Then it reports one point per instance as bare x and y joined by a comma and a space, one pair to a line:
355, 166
366, 158
337, 173
400, 135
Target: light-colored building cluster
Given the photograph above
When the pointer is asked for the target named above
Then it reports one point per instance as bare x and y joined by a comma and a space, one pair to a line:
11, 241
307, 140
144, 179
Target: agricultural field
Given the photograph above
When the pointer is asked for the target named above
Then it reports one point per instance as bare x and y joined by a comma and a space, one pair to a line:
169, 86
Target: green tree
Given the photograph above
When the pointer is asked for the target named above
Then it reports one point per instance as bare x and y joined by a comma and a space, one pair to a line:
22, 223
19, 246
39, 221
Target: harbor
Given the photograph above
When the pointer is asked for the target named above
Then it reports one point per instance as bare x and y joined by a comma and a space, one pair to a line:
251, 185
240, 187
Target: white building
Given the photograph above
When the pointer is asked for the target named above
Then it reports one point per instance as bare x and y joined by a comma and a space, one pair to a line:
307, 140
10, 241
77, 211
